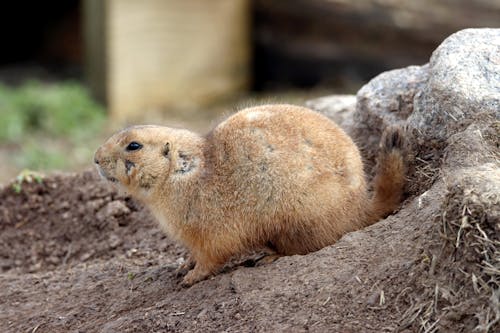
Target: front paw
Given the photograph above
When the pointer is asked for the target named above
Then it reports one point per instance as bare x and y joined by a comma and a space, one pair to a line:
194, 276
184, 268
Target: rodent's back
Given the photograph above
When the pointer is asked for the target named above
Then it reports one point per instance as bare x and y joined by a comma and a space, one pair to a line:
291, 166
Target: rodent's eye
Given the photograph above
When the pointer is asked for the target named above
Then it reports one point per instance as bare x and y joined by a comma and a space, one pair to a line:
133, 146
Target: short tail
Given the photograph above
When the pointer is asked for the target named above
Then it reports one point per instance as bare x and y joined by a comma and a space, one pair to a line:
389, 181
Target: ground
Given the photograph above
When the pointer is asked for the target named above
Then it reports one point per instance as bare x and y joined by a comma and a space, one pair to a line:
77, 256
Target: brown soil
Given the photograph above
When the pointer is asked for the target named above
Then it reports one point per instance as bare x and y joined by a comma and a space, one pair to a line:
76, 256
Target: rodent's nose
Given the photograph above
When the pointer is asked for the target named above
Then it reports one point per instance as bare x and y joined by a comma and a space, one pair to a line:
96, 156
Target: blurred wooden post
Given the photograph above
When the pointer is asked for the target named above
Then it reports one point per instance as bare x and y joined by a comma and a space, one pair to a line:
155, 54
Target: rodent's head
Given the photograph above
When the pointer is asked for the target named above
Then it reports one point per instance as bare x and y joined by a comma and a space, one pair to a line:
141, 158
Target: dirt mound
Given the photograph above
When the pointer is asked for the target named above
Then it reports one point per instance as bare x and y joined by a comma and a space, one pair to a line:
65, 269
68, 219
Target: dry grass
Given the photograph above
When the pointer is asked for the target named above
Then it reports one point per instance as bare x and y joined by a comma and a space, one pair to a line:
471, 223
462, 282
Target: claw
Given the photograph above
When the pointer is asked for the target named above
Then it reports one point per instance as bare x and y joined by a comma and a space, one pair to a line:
185, 267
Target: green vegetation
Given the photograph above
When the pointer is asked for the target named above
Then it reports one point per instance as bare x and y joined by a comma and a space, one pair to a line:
27, 176
47, 126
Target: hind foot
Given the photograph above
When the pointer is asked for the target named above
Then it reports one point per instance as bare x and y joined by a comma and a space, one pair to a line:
267, 259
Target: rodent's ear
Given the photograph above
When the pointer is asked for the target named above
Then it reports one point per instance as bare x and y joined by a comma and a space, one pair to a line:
185, 163
166, 149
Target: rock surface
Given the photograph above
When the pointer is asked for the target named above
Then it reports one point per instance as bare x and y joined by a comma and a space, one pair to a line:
336, 107
461, 83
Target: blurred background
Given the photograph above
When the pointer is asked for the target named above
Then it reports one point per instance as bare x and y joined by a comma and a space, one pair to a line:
73, 71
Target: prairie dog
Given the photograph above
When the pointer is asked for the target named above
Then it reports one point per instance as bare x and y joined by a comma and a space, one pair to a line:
277, 176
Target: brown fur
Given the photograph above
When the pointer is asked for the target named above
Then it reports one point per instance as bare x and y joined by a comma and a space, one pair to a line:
276, 176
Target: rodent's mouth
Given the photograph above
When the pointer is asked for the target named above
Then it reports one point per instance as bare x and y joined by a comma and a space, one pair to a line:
104, 175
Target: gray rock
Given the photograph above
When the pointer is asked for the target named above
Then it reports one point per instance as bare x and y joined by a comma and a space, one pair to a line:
464, 82
386, 100
460, 84
339, 108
